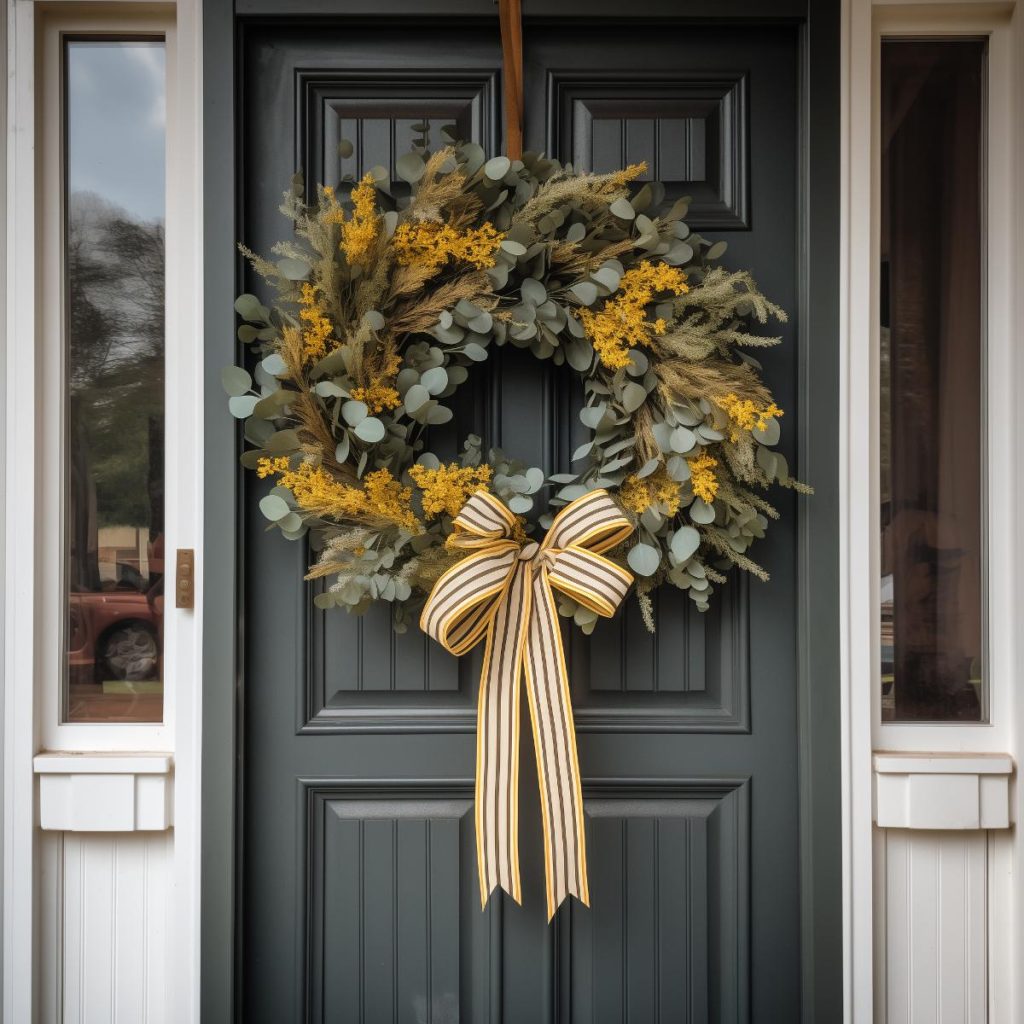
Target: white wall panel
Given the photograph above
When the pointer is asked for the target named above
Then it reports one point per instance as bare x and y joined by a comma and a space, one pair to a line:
933, 927
114, 934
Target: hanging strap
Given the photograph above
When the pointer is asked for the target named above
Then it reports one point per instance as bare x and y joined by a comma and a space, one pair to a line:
510, 15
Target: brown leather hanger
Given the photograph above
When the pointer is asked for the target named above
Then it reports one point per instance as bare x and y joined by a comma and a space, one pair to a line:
510, 15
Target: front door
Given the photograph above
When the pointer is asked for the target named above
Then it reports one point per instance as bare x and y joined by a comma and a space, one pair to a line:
359, 893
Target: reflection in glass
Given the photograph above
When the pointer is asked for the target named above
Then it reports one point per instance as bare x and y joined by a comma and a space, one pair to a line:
114, 308
931, 362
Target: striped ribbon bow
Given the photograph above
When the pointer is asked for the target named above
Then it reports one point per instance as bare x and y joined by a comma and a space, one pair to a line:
502, 590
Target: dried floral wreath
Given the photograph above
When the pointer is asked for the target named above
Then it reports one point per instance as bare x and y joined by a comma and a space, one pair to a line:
385, 303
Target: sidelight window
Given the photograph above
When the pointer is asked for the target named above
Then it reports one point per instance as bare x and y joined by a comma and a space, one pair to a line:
114, 313
931, 374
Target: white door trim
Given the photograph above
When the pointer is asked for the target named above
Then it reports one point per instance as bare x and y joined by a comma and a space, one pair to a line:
31, 626
864, 21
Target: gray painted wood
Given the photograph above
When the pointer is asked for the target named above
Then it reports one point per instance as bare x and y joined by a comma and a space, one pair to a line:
742, 929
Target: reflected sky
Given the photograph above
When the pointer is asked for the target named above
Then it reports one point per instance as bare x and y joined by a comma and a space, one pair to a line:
116, 123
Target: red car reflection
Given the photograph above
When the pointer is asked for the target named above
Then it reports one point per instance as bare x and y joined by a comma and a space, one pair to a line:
115, 633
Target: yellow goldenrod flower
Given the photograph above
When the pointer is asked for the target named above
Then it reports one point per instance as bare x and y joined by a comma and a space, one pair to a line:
377, 395
639, 494
621, 323
746, 415
702, 476
270, 466
360, 232
448, 488
387, 498
317, 492
318, 325
430, 245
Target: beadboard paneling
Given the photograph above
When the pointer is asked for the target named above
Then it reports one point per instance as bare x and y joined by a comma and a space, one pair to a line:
933, 927
114, 931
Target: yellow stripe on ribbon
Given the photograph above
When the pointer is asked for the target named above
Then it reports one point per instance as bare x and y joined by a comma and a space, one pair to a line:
503, 591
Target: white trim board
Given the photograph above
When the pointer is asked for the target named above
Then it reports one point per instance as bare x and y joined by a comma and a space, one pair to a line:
33, 612
864, 22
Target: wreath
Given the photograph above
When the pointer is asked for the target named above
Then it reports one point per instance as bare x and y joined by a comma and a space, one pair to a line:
385, 303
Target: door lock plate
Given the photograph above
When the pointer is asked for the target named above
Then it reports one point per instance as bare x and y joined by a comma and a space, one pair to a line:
185, 579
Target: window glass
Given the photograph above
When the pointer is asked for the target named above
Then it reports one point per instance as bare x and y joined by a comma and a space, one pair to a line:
114, 131
931, 450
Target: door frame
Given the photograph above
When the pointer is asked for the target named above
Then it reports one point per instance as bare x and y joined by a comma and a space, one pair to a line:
818, 642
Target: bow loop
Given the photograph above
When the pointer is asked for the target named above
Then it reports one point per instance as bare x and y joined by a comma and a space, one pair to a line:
483, 520
593, 522
590, 579
466, 598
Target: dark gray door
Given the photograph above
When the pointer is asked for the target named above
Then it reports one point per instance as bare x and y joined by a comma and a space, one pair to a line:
359, 895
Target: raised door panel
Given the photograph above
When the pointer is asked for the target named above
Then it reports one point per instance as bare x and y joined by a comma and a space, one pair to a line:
393, 907
691, 131
667, 933
380, 111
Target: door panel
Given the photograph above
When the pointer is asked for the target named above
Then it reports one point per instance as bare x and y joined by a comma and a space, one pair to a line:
360, 896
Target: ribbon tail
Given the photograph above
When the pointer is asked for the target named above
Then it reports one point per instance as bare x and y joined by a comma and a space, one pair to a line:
497, 742
554, 735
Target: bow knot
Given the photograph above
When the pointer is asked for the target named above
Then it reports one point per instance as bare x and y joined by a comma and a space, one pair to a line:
503, 590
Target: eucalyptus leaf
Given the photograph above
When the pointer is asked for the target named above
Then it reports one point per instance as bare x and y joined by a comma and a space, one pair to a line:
481, 323
585, 291
678, 469
535, 479
579, 353
354, 412
633, 396
273, 507
248, 307
497, 167
235, 381
439, 414
410, 167
274, 364
638, 363
644, 559
370, 430
290, 523
682, 440
701, 512
328, 389
435, 380
684, 543
416, 397
623, 209
533, 291
771, 433
663, 436
292, 269
608, 277
241, 406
